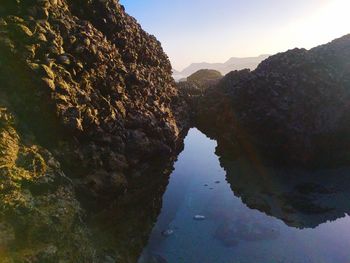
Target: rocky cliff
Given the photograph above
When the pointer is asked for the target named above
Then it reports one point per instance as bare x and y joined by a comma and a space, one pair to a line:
90, 117
92, 85
96, 120
294, 107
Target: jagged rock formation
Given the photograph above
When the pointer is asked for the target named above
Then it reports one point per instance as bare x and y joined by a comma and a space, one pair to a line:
88, 95
40, 218
94, 87
293, 107
94, 101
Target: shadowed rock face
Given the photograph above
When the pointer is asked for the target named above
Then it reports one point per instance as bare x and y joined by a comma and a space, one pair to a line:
92, 85
293, 107
84, 81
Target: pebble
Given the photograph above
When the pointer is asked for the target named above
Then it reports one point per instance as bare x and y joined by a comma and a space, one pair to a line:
199, 217
217, 182
167, 232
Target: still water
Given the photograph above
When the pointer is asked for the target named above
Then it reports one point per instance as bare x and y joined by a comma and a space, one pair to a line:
307, 225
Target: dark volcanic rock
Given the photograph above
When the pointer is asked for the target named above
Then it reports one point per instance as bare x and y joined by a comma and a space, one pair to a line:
92, 85
85, 82
40, 217
293, 107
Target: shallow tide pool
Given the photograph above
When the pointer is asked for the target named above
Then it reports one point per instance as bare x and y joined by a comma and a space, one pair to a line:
225, 229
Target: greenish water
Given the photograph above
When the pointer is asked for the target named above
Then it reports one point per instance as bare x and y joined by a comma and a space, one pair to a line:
274, 215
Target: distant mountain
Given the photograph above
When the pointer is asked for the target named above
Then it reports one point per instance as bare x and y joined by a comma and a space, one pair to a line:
224, 68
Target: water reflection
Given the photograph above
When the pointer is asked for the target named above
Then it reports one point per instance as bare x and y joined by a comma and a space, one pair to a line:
301, 198
251, 214
121, 232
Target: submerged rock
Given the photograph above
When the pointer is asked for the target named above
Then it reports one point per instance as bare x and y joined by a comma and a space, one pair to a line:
251, 229
199, 217
168, 232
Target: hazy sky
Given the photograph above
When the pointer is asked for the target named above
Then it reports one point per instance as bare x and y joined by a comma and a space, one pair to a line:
215, 30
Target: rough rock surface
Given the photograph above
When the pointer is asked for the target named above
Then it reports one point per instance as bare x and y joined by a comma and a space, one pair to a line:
40, 218
93, 101
93, 85
294, 106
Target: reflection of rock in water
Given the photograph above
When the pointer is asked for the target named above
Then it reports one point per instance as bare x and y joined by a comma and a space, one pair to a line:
246, 228
122, 231
301, 198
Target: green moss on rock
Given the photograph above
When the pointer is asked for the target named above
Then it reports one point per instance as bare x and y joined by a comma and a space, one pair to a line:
40, 218
203, 76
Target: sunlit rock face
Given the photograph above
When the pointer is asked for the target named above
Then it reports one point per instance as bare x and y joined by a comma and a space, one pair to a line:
92, 85
40, 217
293, 107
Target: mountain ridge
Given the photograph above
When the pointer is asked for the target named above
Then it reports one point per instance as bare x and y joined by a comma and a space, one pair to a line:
233, 63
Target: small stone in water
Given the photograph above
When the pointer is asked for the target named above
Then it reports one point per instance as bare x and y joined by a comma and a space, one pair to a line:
205, 185
199, 217
217, 182
168, 232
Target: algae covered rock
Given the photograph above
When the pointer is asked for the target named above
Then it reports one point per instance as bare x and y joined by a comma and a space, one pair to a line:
40, 218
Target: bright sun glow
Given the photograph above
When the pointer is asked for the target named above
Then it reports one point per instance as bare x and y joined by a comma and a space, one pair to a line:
330, 21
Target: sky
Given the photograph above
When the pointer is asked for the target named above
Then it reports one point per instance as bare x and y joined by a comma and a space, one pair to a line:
215, 30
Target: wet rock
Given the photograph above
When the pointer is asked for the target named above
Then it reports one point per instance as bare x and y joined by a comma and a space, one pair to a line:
37, 201
247, 229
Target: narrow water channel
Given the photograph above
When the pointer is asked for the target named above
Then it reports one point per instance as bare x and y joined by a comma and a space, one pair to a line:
203, 221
